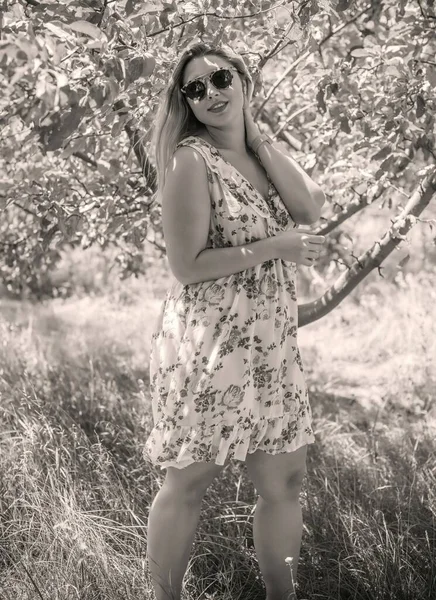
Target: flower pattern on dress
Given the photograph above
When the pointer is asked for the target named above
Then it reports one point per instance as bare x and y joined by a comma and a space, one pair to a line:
226, 375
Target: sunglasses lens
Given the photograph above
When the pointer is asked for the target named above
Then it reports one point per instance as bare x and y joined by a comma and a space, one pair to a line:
195, 90
222, 79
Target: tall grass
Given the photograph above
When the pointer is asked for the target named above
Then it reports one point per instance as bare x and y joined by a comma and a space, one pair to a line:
75, 491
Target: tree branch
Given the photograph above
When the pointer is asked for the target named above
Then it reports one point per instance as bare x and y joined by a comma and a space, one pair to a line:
134, 135
372, 258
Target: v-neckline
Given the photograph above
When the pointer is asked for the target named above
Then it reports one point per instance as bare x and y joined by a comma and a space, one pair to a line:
251, 186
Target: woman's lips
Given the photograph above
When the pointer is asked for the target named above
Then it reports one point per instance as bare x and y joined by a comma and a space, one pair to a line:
221, 108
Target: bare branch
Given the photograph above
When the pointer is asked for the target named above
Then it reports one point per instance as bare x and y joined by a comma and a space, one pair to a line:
372, 258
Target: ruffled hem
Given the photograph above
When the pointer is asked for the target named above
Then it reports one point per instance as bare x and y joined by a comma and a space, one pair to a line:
179, 447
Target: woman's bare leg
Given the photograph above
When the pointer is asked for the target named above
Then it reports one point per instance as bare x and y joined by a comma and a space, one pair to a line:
278, 524
172, 525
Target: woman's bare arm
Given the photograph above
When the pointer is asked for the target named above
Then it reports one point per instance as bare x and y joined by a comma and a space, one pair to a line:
186, 212
300, 194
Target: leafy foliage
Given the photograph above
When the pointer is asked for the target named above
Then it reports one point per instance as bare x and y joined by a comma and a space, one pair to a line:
81, 82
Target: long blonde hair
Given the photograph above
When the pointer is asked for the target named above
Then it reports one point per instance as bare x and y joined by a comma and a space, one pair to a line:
175, 119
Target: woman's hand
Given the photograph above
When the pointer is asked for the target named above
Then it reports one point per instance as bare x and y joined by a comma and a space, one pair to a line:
299, 246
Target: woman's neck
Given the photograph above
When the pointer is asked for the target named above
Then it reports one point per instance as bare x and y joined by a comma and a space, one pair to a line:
225, 140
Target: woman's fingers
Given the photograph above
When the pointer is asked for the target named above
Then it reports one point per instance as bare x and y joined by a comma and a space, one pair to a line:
313, 254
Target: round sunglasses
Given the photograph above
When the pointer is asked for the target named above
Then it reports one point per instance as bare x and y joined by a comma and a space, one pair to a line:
220, 78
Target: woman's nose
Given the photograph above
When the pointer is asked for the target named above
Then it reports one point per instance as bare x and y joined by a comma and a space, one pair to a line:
210, 89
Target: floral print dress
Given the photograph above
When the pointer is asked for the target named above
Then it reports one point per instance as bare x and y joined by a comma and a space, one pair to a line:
226, 376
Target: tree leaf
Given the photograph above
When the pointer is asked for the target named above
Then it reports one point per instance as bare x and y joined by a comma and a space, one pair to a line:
404, 261
420, 106
48, 236
149, 65
190, 8
86, 28
134, 69
387, 163
130, 7
114, 67
55, 134
383, 153
345, 126
57, 30
393, 70
320, 100
360, 53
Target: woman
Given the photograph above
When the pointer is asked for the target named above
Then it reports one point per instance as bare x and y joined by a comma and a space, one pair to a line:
226, 375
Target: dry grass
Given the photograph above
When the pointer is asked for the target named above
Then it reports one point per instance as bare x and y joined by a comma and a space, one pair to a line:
75, 491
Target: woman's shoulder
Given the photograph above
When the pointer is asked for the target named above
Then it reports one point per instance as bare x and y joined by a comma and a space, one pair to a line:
191, 145
200, 144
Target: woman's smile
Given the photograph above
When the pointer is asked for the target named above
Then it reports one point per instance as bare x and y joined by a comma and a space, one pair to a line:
220, 106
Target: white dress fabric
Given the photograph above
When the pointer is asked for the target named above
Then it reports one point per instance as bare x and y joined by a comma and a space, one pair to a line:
226, 376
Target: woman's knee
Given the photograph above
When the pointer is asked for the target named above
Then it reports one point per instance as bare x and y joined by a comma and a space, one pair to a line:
278, 478
285, 489
191, 483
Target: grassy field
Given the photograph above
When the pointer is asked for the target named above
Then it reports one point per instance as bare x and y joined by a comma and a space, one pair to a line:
75, 491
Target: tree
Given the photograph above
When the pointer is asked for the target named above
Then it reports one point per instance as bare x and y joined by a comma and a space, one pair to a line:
81, 82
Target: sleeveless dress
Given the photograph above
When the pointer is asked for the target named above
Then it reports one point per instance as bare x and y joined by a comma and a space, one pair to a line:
226, 375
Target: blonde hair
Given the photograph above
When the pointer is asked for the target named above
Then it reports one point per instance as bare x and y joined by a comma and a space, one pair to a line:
175, 119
